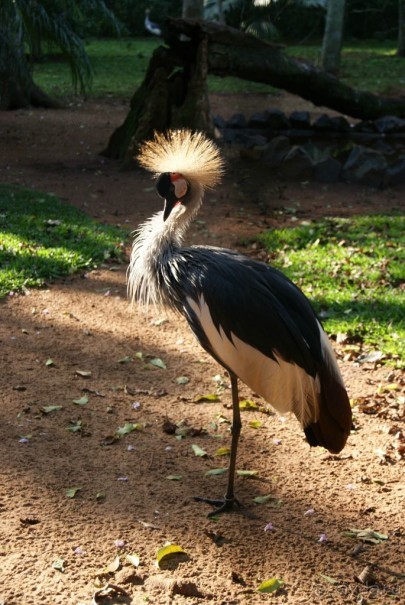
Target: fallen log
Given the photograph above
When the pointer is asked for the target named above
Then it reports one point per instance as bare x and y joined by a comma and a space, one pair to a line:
234, 53
174, 91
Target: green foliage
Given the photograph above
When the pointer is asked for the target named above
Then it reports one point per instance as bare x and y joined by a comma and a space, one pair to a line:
119, 67
29, 27
42, 238
352, 270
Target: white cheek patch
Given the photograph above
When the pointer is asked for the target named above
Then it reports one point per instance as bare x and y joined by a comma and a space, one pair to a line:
180, 188
286, 386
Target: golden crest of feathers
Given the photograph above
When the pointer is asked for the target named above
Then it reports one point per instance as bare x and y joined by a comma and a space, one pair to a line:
189, 153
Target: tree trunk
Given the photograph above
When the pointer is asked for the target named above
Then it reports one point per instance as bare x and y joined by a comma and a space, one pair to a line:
174, 94
220, 10
333, 35
401, 28
233, 53
17, 88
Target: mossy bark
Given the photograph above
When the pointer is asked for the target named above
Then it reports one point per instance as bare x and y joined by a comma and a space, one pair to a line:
17, 88
172, 95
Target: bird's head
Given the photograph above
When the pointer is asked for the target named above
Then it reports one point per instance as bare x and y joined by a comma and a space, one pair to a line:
186, 163
174, 189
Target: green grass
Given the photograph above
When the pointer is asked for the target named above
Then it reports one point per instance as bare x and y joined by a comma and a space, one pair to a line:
370, 65
120, 66
353, 271
42, 239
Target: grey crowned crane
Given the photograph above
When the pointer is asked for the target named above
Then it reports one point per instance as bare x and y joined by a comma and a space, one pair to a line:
249, 316
152, 27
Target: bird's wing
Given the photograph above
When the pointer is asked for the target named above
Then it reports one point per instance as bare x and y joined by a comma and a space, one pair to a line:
256, 323
256, 303
260, 326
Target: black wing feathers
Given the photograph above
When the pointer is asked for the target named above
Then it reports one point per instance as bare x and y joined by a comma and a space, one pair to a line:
255, 302
263, 308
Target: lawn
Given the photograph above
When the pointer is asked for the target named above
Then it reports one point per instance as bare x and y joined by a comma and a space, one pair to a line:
353, 271
120, 66
42, 239
370, 65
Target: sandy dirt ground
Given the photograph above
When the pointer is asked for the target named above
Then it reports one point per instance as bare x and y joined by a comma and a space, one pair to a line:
134, 494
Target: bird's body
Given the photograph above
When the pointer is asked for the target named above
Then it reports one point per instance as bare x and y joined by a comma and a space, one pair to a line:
150, 26
251, 318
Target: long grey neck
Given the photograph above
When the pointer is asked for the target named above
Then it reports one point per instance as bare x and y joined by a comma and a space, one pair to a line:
154, 244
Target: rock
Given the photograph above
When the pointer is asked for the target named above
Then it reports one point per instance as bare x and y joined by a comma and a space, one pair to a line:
275, 151
327, 170
128, 576
395, 174
323, 123
236, 578
300, 120
366, 127
277, 120
254, 140
315, 153
171, 586
258, 120
383, 147
219, 122
365, 166
390, 124
240, 137
272, 118
340, 124
238, 120
296, 165
187, 589
327, 123
365, 162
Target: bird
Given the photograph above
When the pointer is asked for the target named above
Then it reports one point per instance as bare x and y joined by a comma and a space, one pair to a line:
152, 27
254, 321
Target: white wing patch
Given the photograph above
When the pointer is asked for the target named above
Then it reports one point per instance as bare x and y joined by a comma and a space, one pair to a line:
286, 386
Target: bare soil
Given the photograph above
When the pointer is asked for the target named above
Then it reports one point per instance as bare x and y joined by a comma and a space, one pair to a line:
127, 503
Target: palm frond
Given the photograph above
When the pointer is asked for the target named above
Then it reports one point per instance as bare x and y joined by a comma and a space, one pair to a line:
262, 29
33, 23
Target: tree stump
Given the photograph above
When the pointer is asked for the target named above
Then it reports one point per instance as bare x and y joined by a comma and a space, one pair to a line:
174, 91
172, 95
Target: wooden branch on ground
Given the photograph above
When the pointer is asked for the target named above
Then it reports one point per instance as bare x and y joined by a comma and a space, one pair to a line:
234, 53
174, 91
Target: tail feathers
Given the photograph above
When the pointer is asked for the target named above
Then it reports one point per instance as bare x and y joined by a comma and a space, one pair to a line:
334, 422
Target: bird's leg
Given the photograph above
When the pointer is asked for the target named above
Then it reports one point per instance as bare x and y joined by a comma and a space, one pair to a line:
229, 500
236, 428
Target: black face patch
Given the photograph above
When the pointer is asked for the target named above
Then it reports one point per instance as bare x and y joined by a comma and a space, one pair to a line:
164, 185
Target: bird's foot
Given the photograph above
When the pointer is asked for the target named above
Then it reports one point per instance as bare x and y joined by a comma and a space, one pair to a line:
222, 506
